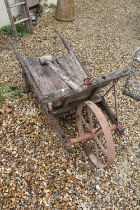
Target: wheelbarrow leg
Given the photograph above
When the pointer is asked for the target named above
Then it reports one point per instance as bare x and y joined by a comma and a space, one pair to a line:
27, 86
59, 131
104, 106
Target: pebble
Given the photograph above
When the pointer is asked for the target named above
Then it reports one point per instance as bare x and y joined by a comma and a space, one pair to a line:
97, 187
9, 110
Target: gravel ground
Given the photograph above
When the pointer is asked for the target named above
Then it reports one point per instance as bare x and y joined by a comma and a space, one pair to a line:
34, 172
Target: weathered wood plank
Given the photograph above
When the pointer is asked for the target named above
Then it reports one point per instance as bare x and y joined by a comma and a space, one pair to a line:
45, 85
63, 76
70, 67
81, 75
44, 76
65, 66
11, 18
47, 80
73, 55
57, 81
26, 71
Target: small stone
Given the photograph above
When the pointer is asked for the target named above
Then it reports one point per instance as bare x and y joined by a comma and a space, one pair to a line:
97, 187
8, 110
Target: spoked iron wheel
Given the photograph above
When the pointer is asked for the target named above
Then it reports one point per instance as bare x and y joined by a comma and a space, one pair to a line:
91, 120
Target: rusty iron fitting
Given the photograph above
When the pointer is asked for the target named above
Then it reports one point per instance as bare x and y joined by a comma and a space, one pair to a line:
120, 129
88, 81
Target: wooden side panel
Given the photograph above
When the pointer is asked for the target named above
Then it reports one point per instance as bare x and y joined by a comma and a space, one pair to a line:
47, 80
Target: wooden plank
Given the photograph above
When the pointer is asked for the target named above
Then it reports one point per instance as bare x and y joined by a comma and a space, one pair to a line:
46, 78
81, 75
26, 71
69, 68
73, 55
11, 18
57, 81
62, 110
62, 61
67, 65
18, 4
66, 96
25, 15
84, 95
45, 84
28, 15
78, 65
21, 20
83, 67
59, 131
63, 76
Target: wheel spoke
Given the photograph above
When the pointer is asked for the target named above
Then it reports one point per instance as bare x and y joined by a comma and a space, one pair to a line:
101, 146
91, 156
96, 149
90, 117
86, 124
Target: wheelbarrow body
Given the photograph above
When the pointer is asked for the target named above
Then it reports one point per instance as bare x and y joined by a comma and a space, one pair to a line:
62, 86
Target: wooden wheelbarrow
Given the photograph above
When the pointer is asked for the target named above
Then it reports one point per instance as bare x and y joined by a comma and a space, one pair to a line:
62, 85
